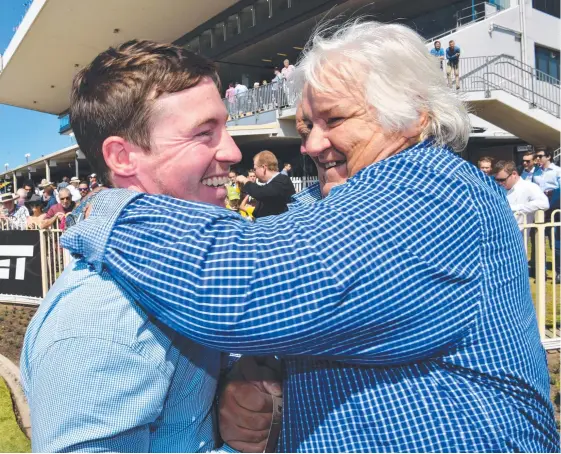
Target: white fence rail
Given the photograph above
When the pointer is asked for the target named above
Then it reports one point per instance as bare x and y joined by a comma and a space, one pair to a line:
301, 183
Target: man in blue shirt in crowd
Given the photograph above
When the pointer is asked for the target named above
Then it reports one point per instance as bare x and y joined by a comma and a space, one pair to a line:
453, 63
438, 52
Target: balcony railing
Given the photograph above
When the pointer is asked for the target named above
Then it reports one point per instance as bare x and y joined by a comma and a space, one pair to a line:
261, 99
503, 72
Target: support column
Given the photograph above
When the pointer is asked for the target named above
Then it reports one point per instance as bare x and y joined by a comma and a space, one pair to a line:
15, 180
77, 166
47, 171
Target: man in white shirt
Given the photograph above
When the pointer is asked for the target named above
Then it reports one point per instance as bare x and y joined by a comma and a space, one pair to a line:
241, 97
524, 197
73, 188
286, 72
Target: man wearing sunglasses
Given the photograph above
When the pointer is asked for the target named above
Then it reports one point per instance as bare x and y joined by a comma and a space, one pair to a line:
528, 166
524, 197
548, 177
59, 211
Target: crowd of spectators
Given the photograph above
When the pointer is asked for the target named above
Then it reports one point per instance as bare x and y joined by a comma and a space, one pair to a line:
278, 92
45, 205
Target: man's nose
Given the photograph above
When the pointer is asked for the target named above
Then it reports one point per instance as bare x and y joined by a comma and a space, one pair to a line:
228, 151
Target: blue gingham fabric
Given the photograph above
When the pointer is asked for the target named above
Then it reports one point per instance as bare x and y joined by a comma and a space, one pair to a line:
400, 304
306, 196
101, 375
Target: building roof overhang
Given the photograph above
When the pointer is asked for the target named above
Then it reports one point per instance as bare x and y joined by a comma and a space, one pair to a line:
58, 37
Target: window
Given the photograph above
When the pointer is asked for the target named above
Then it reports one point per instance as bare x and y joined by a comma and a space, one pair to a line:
193, 45
280, 6
547, 6
205, 41
218, 34
246, 18
232, 26
262, 11
547, 61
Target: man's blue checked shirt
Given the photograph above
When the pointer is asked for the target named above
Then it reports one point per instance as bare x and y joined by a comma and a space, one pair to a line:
400, 304
101, 375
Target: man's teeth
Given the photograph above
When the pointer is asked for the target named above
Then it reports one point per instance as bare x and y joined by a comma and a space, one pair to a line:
328, 165
215, 181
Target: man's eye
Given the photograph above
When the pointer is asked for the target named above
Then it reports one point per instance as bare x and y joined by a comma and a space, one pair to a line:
204, 134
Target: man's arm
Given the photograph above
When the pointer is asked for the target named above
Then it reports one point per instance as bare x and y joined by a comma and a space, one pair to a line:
91, 395
538, 201
324, 280
50, 219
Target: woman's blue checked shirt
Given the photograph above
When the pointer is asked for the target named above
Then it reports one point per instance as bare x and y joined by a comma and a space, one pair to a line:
401, 304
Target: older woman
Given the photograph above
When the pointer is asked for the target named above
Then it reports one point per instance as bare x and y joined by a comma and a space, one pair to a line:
400, 301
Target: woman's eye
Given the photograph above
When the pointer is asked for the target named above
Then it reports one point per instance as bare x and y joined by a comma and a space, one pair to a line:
334, 120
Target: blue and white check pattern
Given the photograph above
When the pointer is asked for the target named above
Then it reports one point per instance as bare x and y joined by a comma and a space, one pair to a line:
401, 304
306, 196
101, 375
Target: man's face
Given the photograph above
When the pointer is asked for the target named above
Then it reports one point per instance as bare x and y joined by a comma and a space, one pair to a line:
84, 189
232, 177
65, 199
260, 171
9, 205
28, 189
93, 180
191, 150
451, 44
528, 162
286, 63
340, 133
288, 167
505, 179
437, 45
542, 159
252, 177
485, 167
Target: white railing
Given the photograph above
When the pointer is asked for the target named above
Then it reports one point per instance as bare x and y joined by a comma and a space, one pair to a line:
301, 183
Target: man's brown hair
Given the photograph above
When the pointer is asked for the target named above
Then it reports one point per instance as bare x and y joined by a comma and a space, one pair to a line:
268, 159
485, 159
114, 94
508, 166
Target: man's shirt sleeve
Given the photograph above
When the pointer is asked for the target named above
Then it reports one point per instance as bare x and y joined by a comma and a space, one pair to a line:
315, 281
85, 399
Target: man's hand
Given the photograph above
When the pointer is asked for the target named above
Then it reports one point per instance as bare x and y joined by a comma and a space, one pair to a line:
241, 179
246, 403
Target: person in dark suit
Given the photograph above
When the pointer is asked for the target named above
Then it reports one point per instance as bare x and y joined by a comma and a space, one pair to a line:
273, 195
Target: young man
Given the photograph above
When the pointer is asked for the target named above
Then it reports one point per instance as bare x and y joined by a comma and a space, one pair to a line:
438, 52
528, 166
274, 195
453, 63
524, 197
485, 164
106, 376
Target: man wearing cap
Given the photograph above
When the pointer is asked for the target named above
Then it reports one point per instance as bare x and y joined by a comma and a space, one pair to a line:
16, 217
73, 188
48, 194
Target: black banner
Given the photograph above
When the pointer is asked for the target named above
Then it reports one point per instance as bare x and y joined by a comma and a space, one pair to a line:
20, 263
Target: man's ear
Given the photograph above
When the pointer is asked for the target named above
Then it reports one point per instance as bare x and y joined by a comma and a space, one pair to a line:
119, 156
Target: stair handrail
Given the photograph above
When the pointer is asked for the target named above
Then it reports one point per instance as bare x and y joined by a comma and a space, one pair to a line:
528, 81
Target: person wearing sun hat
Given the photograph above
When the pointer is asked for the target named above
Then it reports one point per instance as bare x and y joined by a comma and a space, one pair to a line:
73, 188
14, 216
48, 194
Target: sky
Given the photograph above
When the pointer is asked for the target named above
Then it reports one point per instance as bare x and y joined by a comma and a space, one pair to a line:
23, 131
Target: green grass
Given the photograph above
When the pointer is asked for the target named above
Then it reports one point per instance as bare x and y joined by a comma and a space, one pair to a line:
12, 439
